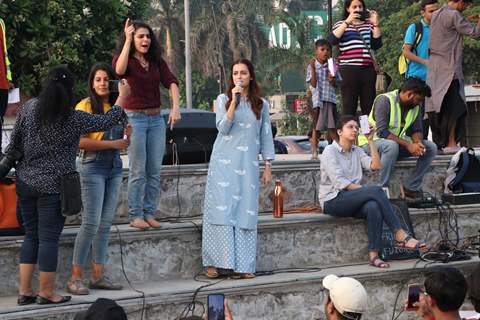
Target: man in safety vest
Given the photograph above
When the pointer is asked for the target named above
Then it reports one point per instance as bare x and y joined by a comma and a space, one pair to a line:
5, 77
397, 118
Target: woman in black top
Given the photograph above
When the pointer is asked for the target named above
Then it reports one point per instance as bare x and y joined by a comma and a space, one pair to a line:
47, 132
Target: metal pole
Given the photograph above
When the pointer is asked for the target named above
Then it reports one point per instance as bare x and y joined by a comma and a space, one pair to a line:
330, 15
188, 57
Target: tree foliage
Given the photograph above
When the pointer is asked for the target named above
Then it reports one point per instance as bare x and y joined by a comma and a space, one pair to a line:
75, 32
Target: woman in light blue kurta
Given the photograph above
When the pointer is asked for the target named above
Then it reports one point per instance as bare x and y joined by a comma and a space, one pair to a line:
231, 196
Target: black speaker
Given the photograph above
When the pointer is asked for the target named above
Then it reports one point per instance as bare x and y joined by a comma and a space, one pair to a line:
193, 136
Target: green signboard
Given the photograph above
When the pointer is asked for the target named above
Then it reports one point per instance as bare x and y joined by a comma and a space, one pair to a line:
280, 35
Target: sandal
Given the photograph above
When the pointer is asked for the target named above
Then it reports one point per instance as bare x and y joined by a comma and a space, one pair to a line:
420, 245
237, 276
379, 263
211, 273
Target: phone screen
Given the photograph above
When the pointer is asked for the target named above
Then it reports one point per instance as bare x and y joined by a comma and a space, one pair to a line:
413, 295
216, 307
113, 85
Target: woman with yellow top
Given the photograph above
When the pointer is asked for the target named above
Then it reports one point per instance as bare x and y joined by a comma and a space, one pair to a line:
100, 170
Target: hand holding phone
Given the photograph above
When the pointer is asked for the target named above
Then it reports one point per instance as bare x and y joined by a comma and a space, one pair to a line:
413, 296
364, 124
113, 85
216, 306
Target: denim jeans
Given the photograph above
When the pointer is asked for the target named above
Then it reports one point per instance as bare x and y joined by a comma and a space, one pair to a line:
43, 223
145, 155
101, 178
390, 152
370, 203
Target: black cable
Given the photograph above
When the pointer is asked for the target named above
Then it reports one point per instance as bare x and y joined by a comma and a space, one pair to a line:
204, 150
190, 307
315, 196
396, 301
126, 277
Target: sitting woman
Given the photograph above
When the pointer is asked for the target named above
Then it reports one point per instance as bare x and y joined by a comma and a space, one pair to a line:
341, 194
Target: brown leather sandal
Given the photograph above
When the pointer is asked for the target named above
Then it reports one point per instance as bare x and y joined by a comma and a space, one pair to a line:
211, 273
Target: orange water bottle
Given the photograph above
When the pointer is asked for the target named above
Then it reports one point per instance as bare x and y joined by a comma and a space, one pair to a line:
278, 200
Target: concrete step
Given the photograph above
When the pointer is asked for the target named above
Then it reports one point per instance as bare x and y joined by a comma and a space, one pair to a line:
299, 178
174, 251
281, 296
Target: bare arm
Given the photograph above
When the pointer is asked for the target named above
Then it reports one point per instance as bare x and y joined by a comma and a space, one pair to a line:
88, 144
174, 115
122, 62
375, 22
407, 52
338, 32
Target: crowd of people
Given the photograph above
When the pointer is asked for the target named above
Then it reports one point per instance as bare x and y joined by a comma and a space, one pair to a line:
50, 129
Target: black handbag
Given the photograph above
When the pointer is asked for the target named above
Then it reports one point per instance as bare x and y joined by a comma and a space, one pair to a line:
388, 249
70, 194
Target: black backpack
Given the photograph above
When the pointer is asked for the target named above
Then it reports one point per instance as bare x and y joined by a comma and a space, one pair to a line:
467, 178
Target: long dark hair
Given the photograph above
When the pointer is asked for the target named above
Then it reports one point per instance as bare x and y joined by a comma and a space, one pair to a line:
347, 4
155, 50
56, 100
95, 100
253, 88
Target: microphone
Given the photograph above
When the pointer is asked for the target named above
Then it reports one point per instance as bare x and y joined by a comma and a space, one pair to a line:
239, 83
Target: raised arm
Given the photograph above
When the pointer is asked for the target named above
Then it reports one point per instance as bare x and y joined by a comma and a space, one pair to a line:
122, 62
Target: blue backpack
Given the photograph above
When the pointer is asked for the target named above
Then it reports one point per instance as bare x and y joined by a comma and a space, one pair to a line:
467, 178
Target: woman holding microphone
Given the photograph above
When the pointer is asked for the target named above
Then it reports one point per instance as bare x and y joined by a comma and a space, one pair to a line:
231, 195
139, 60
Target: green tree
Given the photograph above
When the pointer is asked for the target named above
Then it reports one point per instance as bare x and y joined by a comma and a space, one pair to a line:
74, 32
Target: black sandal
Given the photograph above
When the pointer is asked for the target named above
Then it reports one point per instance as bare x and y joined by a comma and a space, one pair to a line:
403, 244
43, 300
24, 299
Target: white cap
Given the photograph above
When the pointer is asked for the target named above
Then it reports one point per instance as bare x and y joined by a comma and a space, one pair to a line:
347, 294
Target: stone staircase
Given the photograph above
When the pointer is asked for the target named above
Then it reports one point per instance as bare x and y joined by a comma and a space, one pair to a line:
164, 263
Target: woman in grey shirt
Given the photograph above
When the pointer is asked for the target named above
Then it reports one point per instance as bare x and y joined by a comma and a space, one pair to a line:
342, 195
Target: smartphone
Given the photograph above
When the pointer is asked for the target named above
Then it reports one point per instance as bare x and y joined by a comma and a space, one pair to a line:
364, 15
113, 85
364, 124
216, 306
413, 295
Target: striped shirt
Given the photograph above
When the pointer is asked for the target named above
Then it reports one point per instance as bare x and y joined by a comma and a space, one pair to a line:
355, 44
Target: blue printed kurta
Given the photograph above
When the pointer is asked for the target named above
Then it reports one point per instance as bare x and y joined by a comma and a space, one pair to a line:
231, 195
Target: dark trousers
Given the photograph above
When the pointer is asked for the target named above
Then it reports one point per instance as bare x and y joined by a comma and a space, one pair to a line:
369, 203
43, 223
453, 113
3, 109
357, 82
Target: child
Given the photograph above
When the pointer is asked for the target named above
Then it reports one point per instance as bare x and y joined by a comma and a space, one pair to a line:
324, 99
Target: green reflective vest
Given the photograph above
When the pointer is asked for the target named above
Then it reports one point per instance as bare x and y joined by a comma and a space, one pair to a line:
394, 125
7, 61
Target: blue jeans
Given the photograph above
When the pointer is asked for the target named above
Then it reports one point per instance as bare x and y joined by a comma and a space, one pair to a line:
101, 178
145, 155
368, 203
43, 223
390, 152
